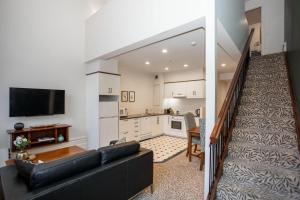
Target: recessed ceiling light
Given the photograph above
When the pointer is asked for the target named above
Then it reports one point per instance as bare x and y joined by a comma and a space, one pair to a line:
223, 65
185, 65
166, 68
164, 50
193, 43
147, 63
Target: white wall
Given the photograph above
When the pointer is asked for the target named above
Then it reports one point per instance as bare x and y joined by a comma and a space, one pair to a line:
223, 86
42, 46
93, 6
256, 36
122, 23
272, 24
140, 82
184, 75
231, 14
252, 4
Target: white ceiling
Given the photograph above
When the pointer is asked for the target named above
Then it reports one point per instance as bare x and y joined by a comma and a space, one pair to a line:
180, 52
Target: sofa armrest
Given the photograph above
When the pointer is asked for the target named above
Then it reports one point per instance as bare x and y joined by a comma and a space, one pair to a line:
140, 172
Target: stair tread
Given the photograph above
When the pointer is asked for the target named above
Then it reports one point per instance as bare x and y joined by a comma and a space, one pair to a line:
261, 131
266, 123
274, 178
235, 190
258, 166
274, 156
283, 140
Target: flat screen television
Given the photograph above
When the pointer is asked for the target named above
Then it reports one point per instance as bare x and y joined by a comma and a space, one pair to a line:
35, 102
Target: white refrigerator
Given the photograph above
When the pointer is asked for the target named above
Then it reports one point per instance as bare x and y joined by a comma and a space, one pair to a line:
108, 122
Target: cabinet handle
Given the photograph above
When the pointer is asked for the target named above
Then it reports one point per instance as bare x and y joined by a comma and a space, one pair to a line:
110, 90
157, 120
125, 132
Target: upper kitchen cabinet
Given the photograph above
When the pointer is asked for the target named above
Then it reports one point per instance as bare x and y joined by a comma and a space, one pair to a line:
175, 89
196, 89
188, 89
109, 84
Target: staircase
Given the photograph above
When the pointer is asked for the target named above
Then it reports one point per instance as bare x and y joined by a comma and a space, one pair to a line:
263, 161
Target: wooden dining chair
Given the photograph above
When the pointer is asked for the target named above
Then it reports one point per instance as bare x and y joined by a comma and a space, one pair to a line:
195, 139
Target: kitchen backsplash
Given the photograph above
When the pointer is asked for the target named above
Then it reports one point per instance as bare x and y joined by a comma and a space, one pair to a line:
184, 105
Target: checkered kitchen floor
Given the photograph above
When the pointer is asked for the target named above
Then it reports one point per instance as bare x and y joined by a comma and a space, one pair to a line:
165, 147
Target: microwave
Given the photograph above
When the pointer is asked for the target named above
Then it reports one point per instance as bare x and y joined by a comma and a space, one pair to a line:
123, 112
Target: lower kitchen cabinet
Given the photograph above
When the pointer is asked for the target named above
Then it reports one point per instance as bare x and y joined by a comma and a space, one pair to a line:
146, 128
157, 125
129, 130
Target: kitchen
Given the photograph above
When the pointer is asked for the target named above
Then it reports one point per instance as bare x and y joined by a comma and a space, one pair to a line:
159, 84
145, 93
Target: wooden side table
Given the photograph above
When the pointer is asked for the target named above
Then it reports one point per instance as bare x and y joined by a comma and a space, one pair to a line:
53, 155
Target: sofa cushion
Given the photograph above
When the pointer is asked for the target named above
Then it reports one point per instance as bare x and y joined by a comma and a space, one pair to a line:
115, 152
44, 174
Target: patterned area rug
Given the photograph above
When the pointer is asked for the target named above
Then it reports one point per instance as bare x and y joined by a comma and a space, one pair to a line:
165, 147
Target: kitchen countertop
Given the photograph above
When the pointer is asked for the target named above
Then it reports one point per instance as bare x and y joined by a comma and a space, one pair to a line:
148, 115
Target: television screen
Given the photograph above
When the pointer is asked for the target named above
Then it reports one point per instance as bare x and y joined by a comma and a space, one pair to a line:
35, 102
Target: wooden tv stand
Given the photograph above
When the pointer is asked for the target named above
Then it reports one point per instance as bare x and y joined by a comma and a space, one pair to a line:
33, 134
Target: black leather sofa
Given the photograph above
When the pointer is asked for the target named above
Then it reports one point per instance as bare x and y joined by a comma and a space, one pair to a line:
110, 173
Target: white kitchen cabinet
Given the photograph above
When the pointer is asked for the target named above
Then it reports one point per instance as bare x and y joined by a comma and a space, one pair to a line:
136, 128
169, 90
124, 129
146, 129
129, 129
175, 89
109, 84
157, 125
167, 124
179, 89
189, 89
109, 129
109, 109
196, 89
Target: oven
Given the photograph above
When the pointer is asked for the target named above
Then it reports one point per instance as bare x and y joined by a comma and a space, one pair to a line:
176, 124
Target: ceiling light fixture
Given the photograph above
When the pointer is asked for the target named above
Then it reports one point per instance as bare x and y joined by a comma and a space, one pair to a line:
164, 50
223, 65
185, 65
166, 68
147, 63
193, 43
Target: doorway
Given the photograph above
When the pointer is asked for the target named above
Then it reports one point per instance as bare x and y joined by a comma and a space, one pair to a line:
254, 21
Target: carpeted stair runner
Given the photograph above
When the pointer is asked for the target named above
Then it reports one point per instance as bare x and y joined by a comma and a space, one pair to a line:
263, 161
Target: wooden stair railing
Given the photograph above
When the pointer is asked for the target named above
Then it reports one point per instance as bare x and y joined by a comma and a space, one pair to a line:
221, 133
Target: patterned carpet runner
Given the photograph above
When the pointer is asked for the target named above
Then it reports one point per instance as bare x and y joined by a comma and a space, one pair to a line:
165, 147
263, 161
